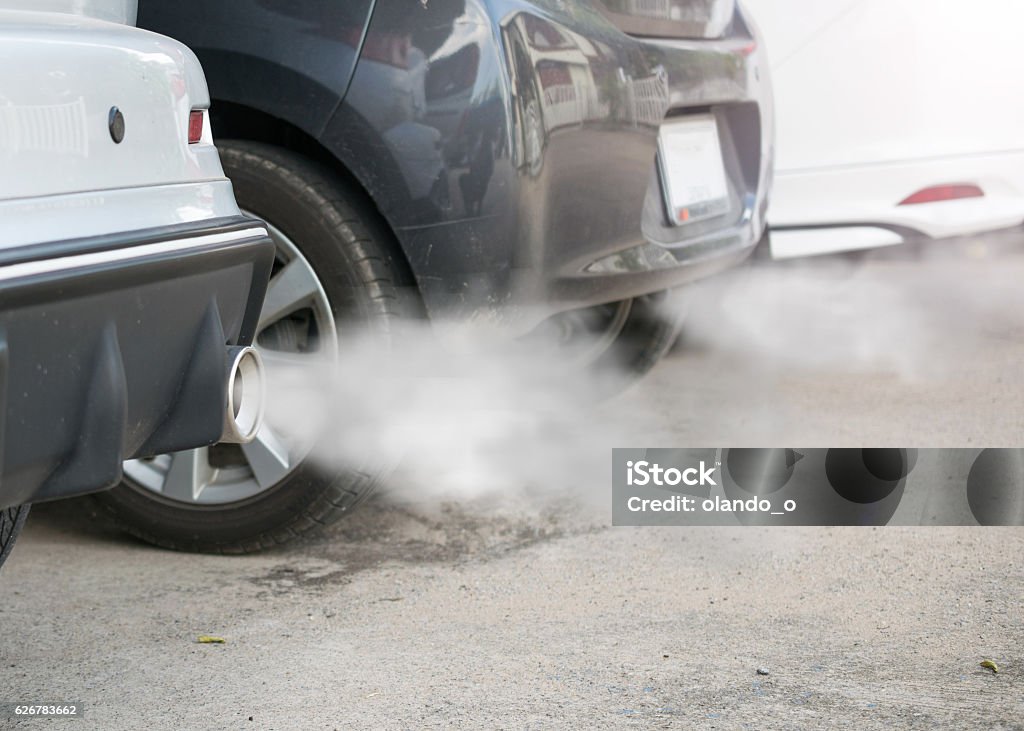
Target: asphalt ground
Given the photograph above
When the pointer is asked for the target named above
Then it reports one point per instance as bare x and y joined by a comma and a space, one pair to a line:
531, 611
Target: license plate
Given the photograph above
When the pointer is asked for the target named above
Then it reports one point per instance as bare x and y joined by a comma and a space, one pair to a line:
692, 170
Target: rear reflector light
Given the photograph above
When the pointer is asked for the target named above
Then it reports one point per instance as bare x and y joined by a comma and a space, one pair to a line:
943, 193
195, 126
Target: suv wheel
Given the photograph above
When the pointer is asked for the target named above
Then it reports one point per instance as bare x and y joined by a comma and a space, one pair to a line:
603, 350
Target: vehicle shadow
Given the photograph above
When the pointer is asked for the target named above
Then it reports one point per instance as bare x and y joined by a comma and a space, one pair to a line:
381, 530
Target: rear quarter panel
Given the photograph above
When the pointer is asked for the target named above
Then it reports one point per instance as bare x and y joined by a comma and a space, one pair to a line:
290, 60
60, 76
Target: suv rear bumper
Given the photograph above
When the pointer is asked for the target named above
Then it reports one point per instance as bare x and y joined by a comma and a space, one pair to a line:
115, 346
525, 182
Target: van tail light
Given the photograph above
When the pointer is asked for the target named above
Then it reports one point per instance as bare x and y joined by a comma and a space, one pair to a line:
196, 121
948, 192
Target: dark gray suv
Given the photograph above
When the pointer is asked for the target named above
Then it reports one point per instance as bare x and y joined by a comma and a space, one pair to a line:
548, 166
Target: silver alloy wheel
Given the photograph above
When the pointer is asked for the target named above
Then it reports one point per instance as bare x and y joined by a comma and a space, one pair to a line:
228, 473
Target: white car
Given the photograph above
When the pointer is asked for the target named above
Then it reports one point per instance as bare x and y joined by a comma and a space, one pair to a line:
130, 284
896, 120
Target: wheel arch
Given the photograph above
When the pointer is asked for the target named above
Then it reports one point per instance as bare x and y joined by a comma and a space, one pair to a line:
233, 120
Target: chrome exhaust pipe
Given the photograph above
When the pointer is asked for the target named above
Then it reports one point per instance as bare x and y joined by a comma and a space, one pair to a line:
243, 415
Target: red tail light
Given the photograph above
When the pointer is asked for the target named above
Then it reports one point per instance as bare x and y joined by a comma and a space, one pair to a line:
948, 192
195, 126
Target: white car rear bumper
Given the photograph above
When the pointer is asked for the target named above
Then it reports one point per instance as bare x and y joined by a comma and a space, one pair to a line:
845, 208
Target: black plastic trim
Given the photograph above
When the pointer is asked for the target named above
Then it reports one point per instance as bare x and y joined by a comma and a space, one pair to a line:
122, 358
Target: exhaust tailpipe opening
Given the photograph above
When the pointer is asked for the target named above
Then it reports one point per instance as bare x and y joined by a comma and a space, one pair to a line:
243, 415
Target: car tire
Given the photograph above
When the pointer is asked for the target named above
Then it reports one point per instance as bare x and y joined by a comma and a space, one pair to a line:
338, 231
649, 332
600, 351
11, 521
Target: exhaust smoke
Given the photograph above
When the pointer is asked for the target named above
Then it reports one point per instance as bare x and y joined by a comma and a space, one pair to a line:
472, 419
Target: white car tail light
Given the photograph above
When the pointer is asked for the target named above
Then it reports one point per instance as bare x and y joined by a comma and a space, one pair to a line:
947, 192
